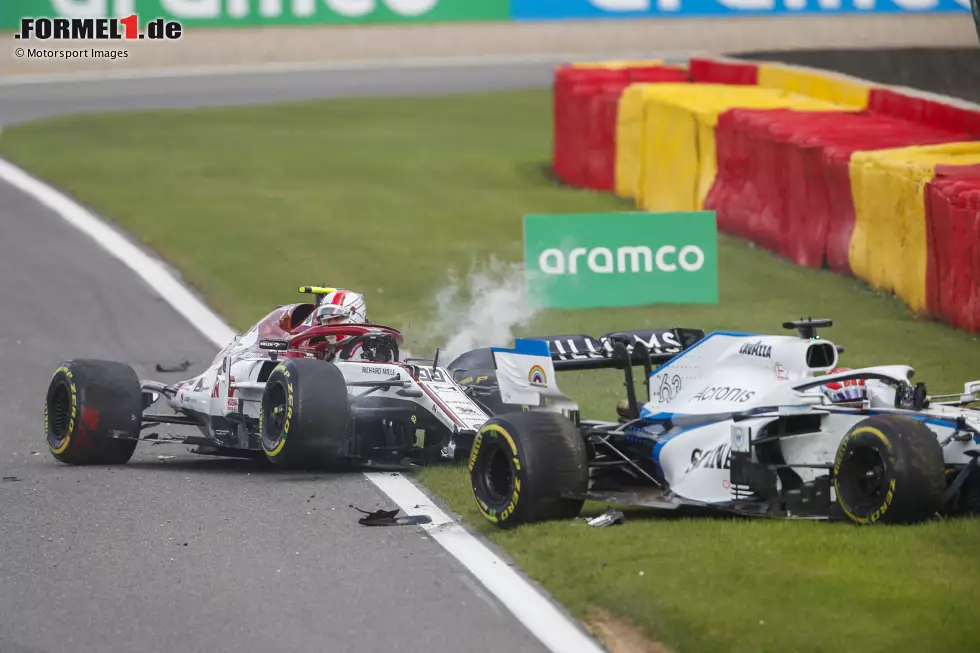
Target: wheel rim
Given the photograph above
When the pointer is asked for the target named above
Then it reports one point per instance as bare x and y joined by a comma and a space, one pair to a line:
275, 412
59, 414
865, 474
497, 476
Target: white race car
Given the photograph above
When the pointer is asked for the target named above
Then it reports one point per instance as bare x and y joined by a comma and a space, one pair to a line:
734, 422
289, 390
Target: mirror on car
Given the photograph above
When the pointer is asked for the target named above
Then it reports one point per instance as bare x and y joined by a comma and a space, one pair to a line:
971, 389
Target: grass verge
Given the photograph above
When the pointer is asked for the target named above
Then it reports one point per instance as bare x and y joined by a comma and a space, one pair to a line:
388, 197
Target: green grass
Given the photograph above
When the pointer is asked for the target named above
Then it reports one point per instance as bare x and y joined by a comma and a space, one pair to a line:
390, 197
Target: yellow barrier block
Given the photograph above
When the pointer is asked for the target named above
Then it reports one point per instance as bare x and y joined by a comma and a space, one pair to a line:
629, 140
678, 160
816, 84
617, 64
888, 247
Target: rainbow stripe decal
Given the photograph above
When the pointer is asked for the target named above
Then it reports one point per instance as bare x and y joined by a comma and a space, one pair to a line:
536, 376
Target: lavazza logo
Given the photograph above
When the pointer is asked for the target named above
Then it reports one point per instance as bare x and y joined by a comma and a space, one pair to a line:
625, 260
756, 349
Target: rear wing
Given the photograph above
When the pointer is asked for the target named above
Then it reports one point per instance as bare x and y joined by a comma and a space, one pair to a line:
648, 346
526, 374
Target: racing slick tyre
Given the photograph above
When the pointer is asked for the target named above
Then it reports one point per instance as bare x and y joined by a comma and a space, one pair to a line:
523, 466
305, 415
889, 469
93, 412
975, 8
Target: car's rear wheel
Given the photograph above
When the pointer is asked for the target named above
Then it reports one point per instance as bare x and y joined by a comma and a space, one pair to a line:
305, 417
889, 469
528, 467
975, 8
92, 412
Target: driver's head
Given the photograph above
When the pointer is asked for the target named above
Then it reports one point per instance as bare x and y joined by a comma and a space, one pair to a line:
341, 307
845, 391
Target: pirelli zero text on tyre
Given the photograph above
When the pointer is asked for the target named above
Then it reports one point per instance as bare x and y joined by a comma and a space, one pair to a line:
889, 469
93, 412
305, 418
523, 467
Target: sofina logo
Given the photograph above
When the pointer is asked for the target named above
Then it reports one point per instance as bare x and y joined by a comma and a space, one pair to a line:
537, 377
621, 259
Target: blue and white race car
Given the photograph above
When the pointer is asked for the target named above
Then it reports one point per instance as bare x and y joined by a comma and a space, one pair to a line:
738, 423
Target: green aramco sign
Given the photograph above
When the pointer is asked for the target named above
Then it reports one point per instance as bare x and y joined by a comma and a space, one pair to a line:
621, 259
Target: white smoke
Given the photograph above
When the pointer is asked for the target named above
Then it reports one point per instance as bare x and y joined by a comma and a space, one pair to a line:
481, 310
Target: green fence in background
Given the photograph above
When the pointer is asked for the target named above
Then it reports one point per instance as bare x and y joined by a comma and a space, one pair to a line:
237, 13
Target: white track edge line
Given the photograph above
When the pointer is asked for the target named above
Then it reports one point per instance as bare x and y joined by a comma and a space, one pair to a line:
538, 614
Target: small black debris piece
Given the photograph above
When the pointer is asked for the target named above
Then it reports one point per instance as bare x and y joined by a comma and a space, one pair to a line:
180, 367
390, 518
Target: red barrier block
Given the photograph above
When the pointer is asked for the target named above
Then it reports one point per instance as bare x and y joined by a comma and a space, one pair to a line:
971, 214
572, 138
968, 172
769, 170
662, 74
953, 232
714, 71
600, 150
733, 196
945, 222
585, 105
924, 111
886, 102
571, 110
959, 284
784, 182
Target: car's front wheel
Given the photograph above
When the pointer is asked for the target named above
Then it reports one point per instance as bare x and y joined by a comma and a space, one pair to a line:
528, 467
889, 469
305, 417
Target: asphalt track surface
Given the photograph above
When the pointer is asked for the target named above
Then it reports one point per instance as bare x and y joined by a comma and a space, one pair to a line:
27, 102
194, 554
208, 554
